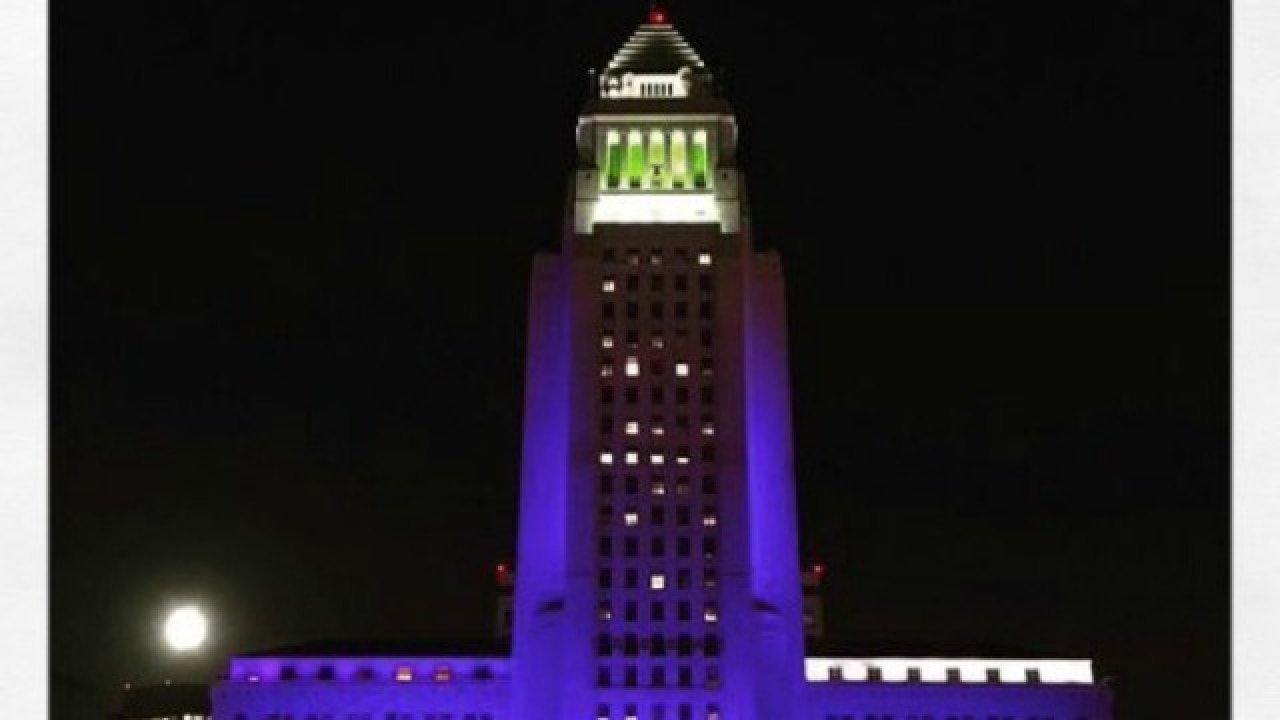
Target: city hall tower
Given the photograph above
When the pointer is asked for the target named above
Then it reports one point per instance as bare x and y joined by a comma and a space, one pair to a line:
658, 563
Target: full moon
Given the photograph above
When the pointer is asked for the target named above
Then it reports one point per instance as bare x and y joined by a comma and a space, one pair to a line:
186, 628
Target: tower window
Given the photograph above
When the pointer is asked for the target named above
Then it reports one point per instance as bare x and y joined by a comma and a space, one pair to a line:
699, 158
613, 160
606, 458
632, 427
682, 369
657, 581
631, 518
607, 285
704, 258
632, 367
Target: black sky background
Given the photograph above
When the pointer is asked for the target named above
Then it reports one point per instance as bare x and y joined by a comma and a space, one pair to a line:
290, 253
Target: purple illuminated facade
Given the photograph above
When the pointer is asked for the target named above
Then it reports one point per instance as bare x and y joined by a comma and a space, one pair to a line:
658, 569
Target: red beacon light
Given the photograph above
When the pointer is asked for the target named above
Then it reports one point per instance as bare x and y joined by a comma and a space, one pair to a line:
818, 569
657, 16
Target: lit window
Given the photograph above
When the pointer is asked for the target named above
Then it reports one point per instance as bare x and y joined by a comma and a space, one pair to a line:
656, 429
607, 285
657, 581
606, 341
657, 341
659, 487
404, 673
606, 369
631, 518
253, 678
632, 427
682, 458
656, 459
605, 612
709, 519
633, 367
704, 258
710, 614
708, 428
633, 457
602, 712
606, 458
682, 369
443, 673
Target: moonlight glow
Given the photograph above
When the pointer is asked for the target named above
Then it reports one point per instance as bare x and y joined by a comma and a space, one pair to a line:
186, 628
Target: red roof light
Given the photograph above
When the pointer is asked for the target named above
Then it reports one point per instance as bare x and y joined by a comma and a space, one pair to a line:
657, 17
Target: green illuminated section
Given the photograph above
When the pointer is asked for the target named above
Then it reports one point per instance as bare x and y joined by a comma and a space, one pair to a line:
679, 159
613, 161
657, 157
635, 159
699, 157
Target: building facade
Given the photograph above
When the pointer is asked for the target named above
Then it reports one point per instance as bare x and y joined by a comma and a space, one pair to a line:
658, 567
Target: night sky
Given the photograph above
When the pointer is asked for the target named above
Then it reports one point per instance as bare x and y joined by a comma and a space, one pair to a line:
290, 256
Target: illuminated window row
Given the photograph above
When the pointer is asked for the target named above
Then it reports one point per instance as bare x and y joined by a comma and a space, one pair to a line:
656, 459
633, 257
631, 366
658, 485
658, 516
657, 611
658, 581
658, 284
657, 341
657, 426
401, 673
